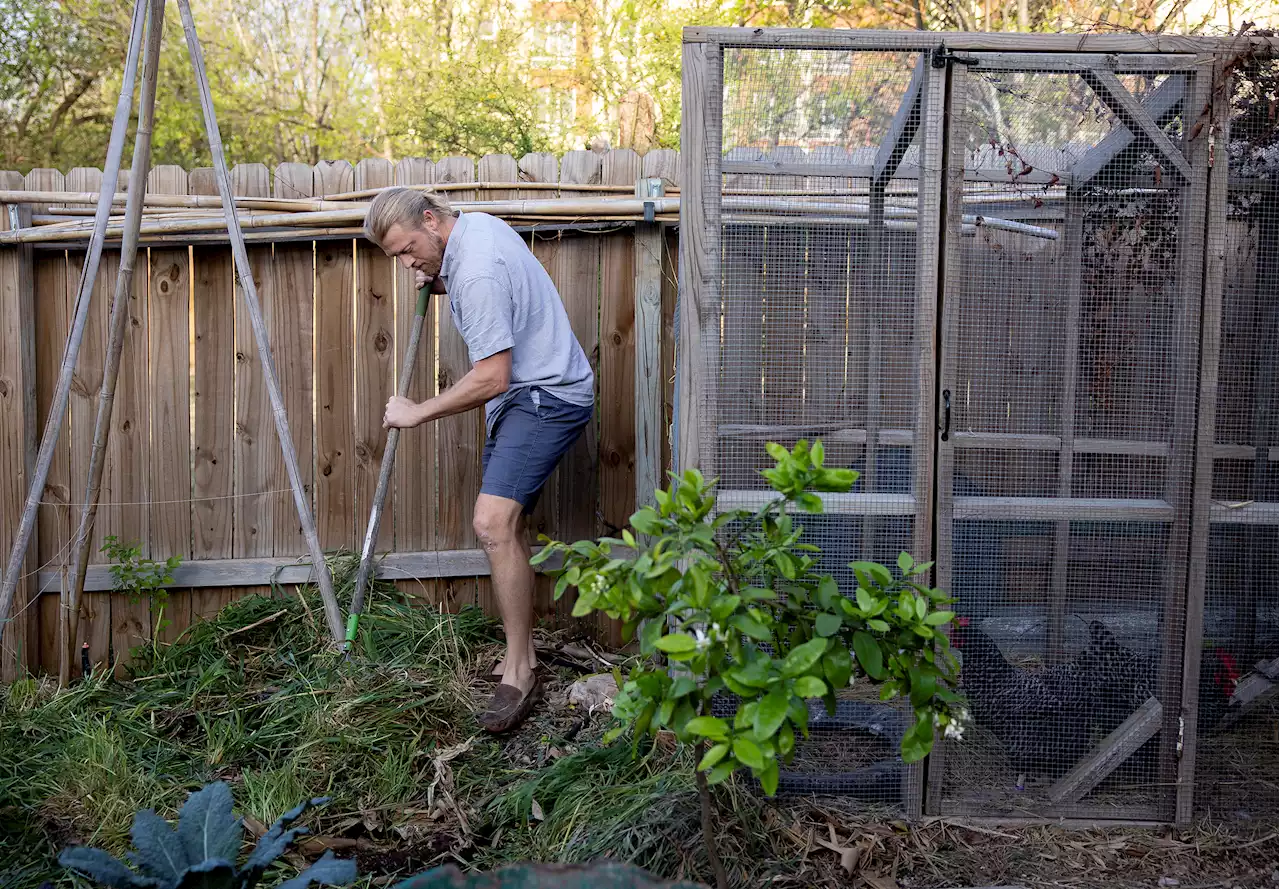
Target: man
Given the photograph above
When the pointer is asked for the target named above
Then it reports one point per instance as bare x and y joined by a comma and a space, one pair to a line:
529, 372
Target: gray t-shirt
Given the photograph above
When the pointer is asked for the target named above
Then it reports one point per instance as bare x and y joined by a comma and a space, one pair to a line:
501, 298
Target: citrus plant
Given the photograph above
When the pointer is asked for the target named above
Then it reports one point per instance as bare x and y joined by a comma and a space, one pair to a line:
735, 602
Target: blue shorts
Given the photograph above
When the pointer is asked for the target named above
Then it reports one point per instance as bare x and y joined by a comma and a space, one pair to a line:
530, 435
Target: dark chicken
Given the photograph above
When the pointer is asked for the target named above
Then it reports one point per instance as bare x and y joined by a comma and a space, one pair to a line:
1040, 717
1047, 719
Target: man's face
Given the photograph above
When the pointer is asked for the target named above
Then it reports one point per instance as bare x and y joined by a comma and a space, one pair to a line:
417, 247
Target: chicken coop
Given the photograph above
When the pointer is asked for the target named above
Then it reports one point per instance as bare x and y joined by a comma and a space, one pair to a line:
1026, 285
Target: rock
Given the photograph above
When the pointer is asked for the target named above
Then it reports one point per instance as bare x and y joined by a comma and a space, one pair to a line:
594, 692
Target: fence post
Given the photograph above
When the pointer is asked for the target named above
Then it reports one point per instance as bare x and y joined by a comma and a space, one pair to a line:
19, 643
648, 333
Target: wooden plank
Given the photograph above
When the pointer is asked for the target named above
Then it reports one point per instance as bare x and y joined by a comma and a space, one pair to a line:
899, 41
256, 456
1071, 263
1067, 509
499, 168
1076, 62
929, 253
618, 299
126, 479
1215, 266
577, 278
376, 357
696, 410
20, 640
664, 164
1160, 105
902, 129
833, 504
1180, 474
335, 414
1138, 729
169, 320
647, 399
95, 609
795, 164
413, 489
238, 574
459, 437
53, 528
1132, 114
214, 444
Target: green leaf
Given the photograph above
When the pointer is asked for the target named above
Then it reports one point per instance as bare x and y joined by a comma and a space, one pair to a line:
810, 687
646, 521
786, 740
723, 606
803, 657
650, 635
878, 625
771, 713
681, 687
816, 454
873, 570
665, 712
837, 666
938, 618
708, 727
777, 452
677, 643
748, 752
612, 735
828, 592
869, 655
713, 756
923, 686
769, 778
922, 608
905, 562
865, 600
828, 624
810, 503
758, 594
751, 627
722, 771
583, 606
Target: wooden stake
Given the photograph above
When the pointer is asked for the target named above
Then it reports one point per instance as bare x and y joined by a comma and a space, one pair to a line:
333, 614
120, 304
384, 471
58, 409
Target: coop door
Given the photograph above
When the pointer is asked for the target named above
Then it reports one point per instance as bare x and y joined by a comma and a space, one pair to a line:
817, 301
1070, 306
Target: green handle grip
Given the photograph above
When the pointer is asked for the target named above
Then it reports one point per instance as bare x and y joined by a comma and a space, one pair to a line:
352, 620
424, 297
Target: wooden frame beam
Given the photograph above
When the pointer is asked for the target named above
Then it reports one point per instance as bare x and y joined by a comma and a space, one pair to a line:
902, 128
1134, 116
1160, 105
896, 41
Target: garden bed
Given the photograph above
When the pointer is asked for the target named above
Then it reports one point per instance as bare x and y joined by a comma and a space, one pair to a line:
253, 699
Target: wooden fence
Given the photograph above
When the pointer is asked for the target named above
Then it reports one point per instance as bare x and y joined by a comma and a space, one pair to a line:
193, 467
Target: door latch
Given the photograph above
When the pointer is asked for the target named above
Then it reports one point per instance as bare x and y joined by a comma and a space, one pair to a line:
942, 58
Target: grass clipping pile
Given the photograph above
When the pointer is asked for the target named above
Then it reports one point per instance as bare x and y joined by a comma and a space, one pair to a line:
255, 699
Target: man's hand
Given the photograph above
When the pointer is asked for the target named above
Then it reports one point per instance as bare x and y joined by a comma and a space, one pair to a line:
421, 280
402, 413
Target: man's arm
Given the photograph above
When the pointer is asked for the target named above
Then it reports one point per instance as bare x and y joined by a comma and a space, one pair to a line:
487, 378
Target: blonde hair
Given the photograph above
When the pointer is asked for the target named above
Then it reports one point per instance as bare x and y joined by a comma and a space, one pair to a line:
404, 207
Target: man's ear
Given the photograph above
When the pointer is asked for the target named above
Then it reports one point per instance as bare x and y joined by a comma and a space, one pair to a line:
430, 222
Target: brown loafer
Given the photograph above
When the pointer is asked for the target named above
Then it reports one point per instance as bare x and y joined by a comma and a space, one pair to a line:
508, 707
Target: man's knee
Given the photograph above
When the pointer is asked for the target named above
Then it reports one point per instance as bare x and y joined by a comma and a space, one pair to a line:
496, 521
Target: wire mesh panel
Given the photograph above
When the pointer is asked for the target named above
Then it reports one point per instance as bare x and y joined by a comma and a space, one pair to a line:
1069, 344
822, 331
1236, 773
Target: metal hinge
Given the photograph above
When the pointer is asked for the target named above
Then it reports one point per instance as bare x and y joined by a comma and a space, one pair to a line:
942, 58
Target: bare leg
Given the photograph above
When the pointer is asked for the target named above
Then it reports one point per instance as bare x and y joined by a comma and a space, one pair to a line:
500, 527
523, 537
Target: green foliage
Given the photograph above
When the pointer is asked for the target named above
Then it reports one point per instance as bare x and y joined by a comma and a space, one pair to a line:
204, 849
735, 603
137, 577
